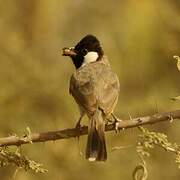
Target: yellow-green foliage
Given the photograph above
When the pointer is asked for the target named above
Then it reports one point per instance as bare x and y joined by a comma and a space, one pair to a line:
149, 139
8, 157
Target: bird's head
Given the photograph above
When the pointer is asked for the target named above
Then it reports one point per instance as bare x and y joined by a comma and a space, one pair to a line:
88, 50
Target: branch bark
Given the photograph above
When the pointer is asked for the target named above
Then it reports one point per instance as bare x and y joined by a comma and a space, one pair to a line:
69, 133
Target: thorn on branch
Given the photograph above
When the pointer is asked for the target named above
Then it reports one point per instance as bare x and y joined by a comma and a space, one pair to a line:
69, 133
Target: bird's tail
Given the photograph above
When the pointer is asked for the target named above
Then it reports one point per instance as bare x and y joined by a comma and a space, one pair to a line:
96, 145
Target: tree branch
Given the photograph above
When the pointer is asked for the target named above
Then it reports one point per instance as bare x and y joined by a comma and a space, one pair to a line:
69, 133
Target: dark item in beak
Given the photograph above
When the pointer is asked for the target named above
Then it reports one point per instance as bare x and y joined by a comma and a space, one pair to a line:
68, 51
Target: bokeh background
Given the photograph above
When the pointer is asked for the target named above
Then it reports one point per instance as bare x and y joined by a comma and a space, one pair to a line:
140, 39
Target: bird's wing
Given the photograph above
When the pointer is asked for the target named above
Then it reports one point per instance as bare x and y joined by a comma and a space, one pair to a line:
108, 90
93, 86
82, 90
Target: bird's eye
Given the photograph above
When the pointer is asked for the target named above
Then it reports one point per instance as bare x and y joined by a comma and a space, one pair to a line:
84, 52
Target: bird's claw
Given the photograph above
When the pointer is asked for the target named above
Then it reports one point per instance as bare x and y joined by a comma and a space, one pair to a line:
117, 121
78, 125
78, 128
117, 129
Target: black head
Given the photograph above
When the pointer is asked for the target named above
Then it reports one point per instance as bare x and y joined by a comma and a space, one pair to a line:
78, 54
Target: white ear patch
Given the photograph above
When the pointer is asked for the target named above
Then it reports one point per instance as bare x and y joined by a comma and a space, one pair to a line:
90, 57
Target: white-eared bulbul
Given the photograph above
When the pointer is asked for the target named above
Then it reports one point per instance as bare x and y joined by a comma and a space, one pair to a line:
95, 89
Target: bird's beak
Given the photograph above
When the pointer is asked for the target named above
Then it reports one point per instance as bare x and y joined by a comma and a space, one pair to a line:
68, 51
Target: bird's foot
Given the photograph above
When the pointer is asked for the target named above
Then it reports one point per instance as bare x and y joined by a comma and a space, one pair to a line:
78, 127
117, 124
109, 121
117, 121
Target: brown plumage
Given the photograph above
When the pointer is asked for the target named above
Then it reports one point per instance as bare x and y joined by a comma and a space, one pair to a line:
95, 88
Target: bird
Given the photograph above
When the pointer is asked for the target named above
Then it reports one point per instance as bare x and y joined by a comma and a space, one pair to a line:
95, 88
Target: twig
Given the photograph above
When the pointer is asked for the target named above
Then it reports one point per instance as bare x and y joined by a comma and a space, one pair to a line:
69, 133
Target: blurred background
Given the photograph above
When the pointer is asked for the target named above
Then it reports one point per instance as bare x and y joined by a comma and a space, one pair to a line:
140, 39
